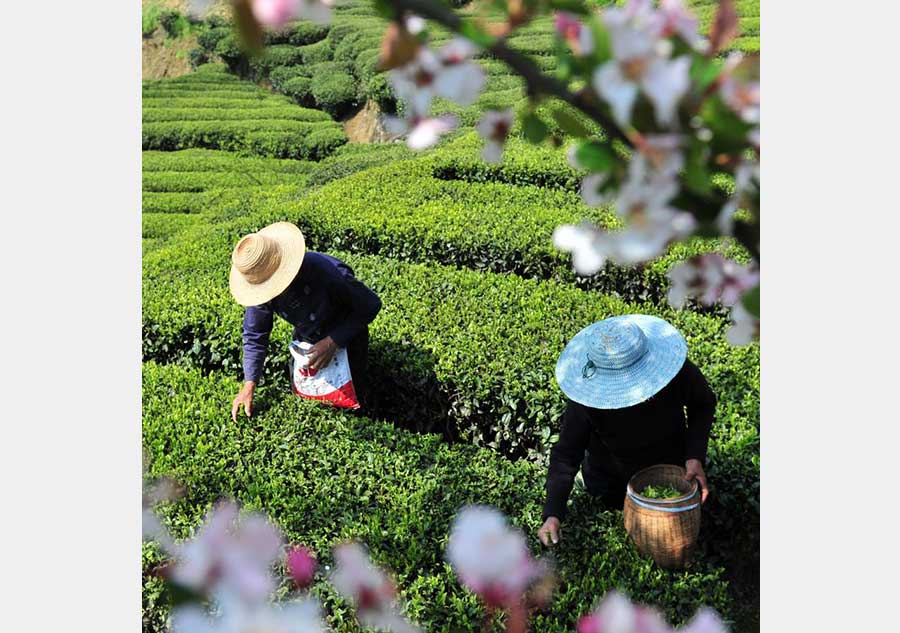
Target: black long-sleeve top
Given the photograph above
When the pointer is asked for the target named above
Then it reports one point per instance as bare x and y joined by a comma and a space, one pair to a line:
324, 299
619, 442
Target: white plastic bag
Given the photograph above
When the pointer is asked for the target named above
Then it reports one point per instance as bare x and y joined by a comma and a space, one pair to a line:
332, 383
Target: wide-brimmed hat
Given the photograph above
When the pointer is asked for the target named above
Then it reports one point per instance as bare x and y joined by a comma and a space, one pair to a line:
620, 361
263, 264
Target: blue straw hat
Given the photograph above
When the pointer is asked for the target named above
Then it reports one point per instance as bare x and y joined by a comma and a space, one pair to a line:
620, 361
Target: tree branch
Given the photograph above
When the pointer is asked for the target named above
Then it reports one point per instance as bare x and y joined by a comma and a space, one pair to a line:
538, 82
541, 84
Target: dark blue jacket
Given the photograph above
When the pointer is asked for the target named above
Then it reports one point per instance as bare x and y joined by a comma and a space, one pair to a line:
325, 299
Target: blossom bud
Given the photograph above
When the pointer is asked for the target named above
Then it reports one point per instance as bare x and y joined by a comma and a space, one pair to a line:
301, 565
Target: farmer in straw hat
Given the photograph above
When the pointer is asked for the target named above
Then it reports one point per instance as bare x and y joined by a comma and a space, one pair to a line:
273, 273
628, 383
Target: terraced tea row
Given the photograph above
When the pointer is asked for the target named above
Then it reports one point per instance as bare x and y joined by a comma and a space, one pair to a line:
467, 354
335, 67
184, 113
325, 476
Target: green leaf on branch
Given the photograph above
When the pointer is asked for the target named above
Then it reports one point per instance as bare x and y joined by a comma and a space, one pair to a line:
476, 35
534, 129
704, 71
729, 131
385, 9
569, 122
602, 45
750, 300
696, 174
595, 156
578, 7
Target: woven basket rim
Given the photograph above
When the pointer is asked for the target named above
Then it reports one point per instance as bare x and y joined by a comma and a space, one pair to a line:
685, 497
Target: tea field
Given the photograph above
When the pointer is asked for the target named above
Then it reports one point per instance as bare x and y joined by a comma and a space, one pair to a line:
477, 306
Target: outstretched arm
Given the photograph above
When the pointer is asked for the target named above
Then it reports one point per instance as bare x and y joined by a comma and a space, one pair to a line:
701, 411
257, 328
565, 459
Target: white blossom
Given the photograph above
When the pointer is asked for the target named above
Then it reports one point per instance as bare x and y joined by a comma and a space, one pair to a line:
705, 621
421, 132
447, 73
640, 64
744, 328
494, 127
277, 13
590, 190
746, 181
740, 93
235, 617
710, 278
460, 79
368, 588
616, 614
574, 32
584, 242
489, 557
230, 554
678, 19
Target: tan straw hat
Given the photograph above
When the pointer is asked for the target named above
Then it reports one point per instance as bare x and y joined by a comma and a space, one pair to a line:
265, 263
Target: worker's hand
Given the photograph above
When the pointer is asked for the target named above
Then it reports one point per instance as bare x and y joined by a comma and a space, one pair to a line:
549, 533
321, 353
245, 397
695, 471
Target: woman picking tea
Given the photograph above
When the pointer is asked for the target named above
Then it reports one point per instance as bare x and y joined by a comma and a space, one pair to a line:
634, 400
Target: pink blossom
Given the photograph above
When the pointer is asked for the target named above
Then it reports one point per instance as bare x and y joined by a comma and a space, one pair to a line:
678, 19
277, 13
739, 86
421, 132
746, 186
490, 558
744, 327
494, 127
301, 565
576, 34
449, 73
230, 554
368, 588
710, 278
584, 241
616, 614
640, 64
237, 617
705, 621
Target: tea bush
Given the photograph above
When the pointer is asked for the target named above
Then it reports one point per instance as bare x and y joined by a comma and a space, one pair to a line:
180, 181
351, 159
403, 211
300, 90
307, 33
325, 476
156, 202
200, 160
467, 354
333, 89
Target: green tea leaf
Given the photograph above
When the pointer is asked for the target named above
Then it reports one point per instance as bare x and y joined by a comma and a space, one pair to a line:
578, 7
477, 35
704, 71
569, 122
750, 300
696, 174
534, 129
595, 156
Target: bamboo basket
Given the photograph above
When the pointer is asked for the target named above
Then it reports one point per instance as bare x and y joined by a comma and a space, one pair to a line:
665, 529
